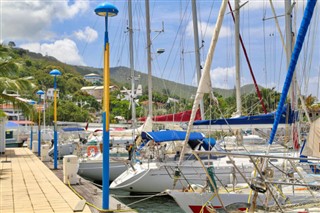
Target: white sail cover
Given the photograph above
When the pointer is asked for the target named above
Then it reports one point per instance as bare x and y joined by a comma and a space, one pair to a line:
312, 147
205, 80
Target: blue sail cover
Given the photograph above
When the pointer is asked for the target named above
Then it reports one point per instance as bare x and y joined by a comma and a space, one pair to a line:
293, 62
73, 129
251, 120
208, 143
171, 135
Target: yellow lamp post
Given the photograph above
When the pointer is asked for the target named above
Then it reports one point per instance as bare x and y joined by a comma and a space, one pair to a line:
106, 10
39, 93
55, 73
31, 125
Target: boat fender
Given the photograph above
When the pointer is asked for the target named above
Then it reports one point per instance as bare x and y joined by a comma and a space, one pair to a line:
177, 175
92, 151
258, 189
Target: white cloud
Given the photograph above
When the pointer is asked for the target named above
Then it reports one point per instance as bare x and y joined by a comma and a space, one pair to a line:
314, 80
64, 50
88, 35
259, 4
31, 20
208, 28
223, 77
67, 11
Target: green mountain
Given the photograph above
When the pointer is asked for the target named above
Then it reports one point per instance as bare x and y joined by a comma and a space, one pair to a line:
34, 62
122, 75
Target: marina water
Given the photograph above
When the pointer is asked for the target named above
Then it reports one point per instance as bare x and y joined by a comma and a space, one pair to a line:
154, 204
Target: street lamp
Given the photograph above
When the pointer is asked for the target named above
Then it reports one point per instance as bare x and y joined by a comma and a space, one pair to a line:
55, 73
32, 102
106, 9
39, 92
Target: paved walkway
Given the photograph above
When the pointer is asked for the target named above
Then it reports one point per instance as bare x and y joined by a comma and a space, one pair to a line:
27, 185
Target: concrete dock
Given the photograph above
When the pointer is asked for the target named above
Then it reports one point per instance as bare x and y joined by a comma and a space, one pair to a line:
28, 185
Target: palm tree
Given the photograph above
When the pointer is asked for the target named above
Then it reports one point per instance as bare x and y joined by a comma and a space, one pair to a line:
9, 81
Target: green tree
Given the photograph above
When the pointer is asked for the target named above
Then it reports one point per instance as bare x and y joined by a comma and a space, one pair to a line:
68, 111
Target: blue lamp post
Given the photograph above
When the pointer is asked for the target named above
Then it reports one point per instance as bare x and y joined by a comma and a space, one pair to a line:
39, 93
106, 10
32, 102
55, 73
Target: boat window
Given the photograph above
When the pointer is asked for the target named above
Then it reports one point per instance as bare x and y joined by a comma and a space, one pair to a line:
208, 163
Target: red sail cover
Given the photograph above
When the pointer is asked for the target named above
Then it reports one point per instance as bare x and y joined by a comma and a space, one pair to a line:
178, 117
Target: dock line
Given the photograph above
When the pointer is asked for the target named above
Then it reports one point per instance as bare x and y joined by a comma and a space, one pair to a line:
94, 206
159, 194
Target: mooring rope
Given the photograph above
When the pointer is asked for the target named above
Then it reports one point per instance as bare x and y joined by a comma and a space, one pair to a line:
97, 208
156, 195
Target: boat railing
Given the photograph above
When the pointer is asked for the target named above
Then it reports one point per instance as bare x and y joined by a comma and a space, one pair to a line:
269, 179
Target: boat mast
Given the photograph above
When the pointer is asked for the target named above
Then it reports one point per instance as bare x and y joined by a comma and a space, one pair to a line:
205, 82
237, 56
308, 12
249, 64
149, 58
288, 32
132, 99
293, 88
197, 49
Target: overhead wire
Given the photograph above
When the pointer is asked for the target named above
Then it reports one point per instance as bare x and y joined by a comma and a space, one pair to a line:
119, 38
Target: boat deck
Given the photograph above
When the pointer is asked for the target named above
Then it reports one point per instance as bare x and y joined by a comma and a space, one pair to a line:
27, 185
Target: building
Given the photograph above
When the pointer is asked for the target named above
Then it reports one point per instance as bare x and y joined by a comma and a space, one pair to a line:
96, 91
50, 94
93, 78
12, 112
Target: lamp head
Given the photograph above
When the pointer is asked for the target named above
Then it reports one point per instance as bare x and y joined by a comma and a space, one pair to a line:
40, 92
55, 72
31, 102
106, 9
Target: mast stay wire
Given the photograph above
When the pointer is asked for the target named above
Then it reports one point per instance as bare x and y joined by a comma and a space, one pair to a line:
173, 44
180, 51
203, 34
309, 52
264, 45
140, 16
86, 43
118, 38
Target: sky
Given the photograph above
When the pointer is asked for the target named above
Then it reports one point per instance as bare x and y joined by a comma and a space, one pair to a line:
71, 32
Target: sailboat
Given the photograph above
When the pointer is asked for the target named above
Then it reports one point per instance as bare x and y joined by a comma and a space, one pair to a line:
91, 168
143, 175
294, 193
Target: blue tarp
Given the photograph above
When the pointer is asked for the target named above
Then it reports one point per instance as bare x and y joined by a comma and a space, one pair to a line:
11, 124
171, 135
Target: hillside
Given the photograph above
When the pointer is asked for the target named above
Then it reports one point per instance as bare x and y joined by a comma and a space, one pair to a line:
120, 76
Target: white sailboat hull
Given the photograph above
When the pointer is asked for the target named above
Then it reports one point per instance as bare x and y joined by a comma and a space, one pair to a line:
193, 202
157, 177
92, 169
